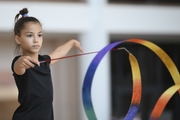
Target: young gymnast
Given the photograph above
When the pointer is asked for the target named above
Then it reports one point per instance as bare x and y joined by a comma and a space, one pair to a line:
33, 79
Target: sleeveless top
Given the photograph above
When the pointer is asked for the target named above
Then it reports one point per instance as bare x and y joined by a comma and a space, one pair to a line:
35, 92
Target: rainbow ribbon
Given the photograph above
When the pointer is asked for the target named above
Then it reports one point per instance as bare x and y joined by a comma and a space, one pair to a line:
86, 92
136, 96
165, 97
162, 101
163, 56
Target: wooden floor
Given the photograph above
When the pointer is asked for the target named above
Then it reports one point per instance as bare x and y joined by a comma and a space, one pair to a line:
7, 109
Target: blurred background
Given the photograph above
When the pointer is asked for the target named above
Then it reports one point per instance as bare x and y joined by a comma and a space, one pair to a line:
97, 23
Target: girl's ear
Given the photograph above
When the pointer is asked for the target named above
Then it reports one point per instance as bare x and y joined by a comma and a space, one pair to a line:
16, 38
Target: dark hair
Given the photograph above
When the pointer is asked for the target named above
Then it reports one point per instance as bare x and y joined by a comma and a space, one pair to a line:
20, 23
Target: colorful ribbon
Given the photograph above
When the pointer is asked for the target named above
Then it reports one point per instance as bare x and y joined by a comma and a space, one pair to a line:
86, 89
162, 55
163, 100
137, 88
161, 103
86, 92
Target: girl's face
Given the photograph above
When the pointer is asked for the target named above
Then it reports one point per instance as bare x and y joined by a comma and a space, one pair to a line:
30, 38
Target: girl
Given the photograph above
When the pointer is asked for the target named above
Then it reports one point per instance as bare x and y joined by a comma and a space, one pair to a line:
33, 79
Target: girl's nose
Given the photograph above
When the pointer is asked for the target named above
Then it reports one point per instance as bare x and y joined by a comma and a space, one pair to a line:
35, 39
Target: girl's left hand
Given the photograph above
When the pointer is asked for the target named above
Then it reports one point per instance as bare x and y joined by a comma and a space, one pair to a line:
78, 45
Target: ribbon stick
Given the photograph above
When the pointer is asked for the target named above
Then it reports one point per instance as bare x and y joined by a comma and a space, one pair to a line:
86, 92
76, 55
68, 56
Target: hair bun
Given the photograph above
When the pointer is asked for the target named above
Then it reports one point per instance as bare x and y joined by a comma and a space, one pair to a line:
23, 11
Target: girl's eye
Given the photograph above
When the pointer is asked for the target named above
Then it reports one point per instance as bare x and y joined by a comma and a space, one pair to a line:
29, 35
40, 35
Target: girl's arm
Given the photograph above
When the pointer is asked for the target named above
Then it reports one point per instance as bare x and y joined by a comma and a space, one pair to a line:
23, 63
62, 50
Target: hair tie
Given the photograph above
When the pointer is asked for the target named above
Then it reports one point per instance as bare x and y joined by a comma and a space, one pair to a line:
25, 15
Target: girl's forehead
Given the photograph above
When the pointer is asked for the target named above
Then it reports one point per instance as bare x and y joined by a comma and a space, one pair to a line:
32, 26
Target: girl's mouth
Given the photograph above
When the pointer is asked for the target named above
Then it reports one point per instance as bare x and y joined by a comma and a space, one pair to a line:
36, 46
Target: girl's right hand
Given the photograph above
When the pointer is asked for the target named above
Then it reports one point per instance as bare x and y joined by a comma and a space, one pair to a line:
26, 62
23, 63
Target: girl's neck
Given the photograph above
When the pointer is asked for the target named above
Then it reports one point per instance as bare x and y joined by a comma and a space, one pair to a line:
34, 56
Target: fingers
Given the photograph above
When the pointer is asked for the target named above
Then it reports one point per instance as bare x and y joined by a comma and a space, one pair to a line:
33, 61
80, 49
78, 45
26, 65
27, 62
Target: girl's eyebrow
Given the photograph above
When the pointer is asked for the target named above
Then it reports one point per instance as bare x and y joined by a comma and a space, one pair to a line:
33, 32
29, 32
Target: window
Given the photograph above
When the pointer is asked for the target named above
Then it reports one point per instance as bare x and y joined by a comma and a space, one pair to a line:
175, 2
48, 0
155, 79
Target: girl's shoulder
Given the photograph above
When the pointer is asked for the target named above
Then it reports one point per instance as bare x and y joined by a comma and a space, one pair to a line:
14, 60
16, 57
44, 57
